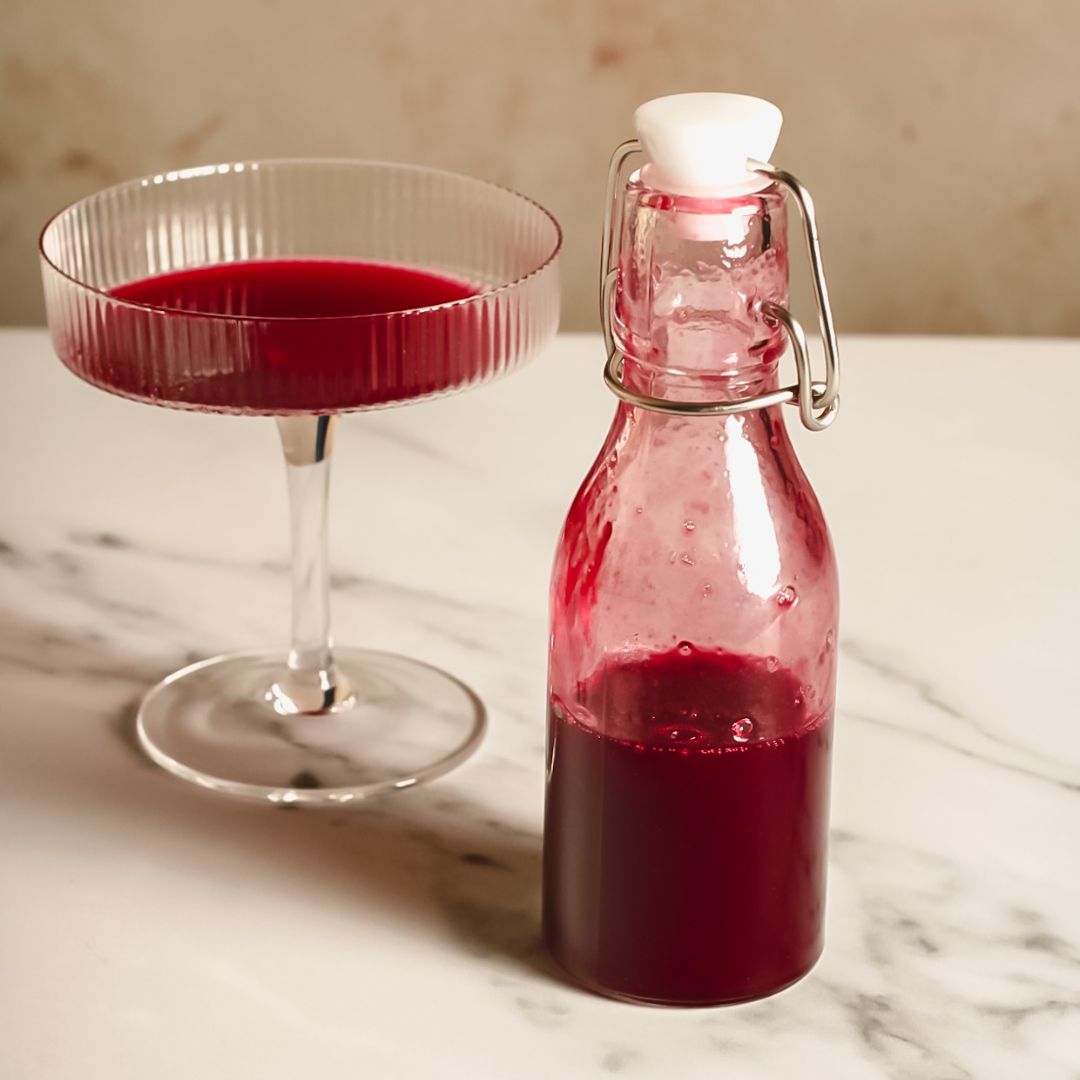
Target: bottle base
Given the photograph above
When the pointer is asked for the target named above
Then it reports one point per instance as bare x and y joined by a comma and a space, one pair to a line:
664, 1002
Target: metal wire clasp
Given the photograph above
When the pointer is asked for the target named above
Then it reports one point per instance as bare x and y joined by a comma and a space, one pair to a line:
817, 401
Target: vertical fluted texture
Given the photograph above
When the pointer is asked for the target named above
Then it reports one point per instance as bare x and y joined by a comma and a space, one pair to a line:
500, 243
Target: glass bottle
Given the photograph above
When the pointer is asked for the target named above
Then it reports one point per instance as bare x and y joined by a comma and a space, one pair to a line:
694, 608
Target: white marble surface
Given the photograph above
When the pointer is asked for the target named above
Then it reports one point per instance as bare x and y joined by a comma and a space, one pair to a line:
151, 930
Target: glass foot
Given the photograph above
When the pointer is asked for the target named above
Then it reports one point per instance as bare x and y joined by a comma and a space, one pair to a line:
216, 724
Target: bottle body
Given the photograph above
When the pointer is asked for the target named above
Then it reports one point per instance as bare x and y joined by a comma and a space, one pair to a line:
692, 665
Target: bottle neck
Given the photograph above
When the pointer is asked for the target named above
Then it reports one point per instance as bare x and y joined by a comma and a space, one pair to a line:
692, 274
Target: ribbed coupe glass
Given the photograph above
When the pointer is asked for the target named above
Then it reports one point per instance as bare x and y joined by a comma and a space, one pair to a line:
312, 724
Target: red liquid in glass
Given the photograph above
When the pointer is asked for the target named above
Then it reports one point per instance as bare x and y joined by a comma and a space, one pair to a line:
682, 865
312, 354
295, 289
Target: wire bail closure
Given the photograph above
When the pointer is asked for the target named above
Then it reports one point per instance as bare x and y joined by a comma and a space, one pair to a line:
817, 401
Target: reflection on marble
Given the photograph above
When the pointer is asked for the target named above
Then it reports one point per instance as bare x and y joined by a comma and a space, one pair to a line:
153, 930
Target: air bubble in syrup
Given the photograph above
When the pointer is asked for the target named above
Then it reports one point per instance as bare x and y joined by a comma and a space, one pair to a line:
742, 729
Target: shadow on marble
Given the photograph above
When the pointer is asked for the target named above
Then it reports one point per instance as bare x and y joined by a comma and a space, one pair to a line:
438, 855
427, 856
433, 855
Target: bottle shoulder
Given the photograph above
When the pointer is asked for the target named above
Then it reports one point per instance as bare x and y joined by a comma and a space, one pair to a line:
716, 488
709, 534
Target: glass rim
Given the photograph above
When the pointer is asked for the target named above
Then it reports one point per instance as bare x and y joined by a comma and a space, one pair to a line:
223, 168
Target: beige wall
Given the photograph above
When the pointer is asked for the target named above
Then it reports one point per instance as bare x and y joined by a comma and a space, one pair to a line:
940, 137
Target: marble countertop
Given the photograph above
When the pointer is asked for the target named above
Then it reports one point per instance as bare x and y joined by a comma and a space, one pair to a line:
148, 929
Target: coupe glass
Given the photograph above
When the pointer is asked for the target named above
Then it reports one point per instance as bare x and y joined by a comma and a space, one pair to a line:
315, 724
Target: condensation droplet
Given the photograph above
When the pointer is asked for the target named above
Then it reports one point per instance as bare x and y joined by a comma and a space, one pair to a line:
772, 663
830, 640
742, 729
686, 558
688, 526
706, 589
786, 597
639, 509
685, 648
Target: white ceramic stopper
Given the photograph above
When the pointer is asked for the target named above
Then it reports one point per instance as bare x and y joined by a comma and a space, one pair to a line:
699, 144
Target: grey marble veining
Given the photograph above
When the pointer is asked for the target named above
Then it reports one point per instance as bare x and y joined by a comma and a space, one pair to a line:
152, 930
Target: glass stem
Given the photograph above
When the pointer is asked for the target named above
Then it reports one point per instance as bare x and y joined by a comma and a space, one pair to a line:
312, 684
